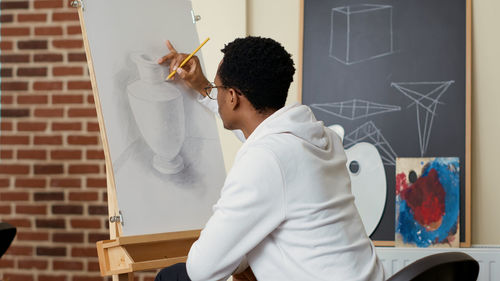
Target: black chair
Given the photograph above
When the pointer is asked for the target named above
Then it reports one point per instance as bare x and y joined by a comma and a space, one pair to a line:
7, 234
456, 266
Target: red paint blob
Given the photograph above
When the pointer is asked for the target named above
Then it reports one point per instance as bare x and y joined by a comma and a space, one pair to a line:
426, 199
401, 183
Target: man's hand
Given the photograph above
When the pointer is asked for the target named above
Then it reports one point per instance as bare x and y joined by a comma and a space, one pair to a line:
246, 275
191, 72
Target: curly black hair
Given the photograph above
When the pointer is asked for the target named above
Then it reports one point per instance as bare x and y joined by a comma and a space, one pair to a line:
260, 68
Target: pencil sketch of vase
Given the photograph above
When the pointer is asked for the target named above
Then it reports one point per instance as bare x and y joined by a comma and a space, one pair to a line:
158, 110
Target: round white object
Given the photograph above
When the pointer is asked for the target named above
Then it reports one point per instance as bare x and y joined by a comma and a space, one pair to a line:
368, 183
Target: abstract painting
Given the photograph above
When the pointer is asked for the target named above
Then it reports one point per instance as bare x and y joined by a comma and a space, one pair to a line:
427, 202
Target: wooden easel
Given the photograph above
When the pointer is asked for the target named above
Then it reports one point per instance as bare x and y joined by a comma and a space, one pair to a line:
121, 256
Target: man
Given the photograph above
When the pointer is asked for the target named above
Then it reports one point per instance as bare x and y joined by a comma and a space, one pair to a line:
286, 207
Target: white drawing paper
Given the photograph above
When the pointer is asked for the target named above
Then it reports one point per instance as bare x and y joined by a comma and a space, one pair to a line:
164, 146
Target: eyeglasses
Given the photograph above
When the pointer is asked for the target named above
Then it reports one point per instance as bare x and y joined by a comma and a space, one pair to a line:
208, 90
209, 93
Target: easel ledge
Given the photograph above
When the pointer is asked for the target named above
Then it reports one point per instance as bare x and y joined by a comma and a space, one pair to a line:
144, 252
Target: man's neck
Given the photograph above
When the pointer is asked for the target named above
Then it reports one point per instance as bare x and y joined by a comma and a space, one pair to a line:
253, 120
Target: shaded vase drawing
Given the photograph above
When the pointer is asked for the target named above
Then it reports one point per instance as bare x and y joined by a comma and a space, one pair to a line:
158, 110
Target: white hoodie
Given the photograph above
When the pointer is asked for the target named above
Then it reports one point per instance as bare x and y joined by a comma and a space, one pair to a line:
286, 206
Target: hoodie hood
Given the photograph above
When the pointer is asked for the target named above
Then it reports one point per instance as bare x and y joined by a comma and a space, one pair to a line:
295, 119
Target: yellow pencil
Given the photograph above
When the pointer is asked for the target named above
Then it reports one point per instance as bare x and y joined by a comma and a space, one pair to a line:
188, 57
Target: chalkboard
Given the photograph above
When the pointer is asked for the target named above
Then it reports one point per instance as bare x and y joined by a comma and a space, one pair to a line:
395, 74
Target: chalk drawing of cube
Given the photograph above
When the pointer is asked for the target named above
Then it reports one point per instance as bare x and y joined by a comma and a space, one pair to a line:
361, 32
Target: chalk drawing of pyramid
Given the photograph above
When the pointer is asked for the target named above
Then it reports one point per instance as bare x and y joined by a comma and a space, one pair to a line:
425, 96
354, 109
368, 132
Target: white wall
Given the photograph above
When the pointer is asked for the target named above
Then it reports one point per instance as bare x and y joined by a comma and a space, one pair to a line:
485, 125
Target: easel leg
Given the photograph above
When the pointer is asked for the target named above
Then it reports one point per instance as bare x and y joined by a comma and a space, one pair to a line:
124, 277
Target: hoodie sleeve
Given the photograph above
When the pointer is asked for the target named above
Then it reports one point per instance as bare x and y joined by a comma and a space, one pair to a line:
212, 105
209, 103
251, 206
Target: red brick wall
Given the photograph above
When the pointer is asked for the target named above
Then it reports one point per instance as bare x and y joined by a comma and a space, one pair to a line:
52, 172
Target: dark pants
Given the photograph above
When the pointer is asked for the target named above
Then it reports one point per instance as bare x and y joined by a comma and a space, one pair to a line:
176, 272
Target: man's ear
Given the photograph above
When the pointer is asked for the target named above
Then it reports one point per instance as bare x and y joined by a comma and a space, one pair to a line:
234, 98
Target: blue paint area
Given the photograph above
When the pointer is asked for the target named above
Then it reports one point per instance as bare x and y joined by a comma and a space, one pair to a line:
412, 231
